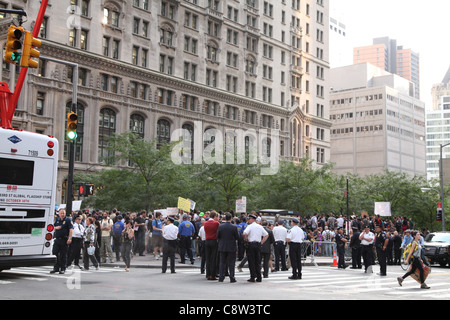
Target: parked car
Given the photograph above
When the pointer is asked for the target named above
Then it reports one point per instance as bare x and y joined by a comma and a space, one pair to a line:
437, 248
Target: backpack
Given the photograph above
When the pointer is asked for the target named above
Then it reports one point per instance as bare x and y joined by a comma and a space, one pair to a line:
408, 249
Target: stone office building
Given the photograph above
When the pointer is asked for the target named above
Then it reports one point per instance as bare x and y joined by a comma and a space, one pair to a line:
156, 66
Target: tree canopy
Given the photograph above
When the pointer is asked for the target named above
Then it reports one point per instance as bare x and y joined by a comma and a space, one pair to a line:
144, 177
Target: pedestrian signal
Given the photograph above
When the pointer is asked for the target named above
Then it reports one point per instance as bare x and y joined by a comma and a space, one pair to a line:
29, 52
82, 190
90, 189
439, 214
86, 190
13, 44
72, 126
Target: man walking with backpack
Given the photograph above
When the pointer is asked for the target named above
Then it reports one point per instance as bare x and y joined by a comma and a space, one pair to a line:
118, 227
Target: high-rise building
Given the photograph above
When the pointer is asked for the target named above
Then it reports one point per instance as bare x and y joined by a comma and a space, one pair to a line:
385, 54
156, 66
377, 124
340, 47
438, 126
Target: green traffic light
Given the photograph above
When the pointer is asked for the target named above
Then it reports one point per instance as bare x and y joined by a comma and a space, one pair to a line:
71, 135
15, 56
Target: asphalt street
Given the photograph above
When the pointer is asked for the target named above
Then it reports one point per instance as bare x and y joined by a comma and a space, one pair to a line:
146, 282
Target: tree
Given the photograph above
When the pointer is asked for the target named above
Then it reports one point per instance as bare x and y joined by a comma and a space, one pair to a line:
143, 176
298, 187
222, 184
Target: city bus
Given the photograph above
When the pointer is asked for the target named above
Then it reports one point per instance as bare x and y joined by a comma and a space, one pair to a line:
28, 169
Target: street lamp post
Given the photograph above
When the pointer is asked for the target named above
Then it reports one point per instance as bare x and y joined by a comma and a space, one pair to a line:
441, 178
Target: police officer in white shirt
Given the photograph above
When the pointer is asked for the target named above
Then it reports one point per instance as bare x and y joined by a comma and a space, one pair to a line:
280, 235
255, 235
295, 238
367, 238
77, 243
170, 235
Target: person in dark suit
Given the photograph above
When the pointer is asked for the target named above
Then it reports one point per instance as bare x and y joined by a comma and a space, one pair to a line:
227, 236
266, 249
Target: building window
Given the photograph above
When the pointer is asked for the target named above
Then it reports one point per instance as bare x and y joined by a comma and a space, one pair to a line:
84, 40
107, 128
40, 103
106, 46
73, 37
115, 50
320, 155
188, 141
137, 124
111, 16
162, 132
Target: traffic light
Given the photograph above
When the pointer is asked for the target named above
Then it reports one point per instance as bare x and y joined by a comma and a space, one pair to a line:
13, 44
86, 190
72, 126
439, 214
28, 52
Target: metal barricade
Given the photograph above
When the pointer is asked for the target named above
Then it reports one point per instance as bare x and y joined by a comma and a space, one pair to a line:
322, 249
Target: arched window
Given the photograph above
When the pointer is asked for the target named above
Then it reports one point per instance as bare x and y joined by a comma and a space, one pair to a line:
163, 132
79, 110
111, 14
137, 124
107, 128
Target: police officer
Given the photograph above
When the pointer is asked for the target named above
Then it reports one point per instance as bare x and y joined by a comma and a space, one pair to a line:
367, 238
280, 235
255, 235
295, 238
63, 238
355, 244
381, 242
170, 235
341, 243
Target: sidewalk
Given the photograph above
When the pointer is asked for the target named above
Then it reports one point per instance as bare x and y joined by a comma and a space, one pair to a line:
149, 261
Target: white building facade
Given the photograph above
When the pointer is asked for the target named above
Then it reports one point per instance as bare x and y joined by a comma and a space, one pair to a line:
377, 124
438, 126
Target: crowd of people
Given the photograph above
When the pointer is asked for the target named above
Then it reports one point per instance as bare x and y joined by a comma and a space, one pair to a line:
219, 239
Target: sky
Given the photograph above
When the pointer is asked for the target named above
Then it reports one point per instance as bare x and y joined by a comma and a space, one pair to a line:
422, 26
